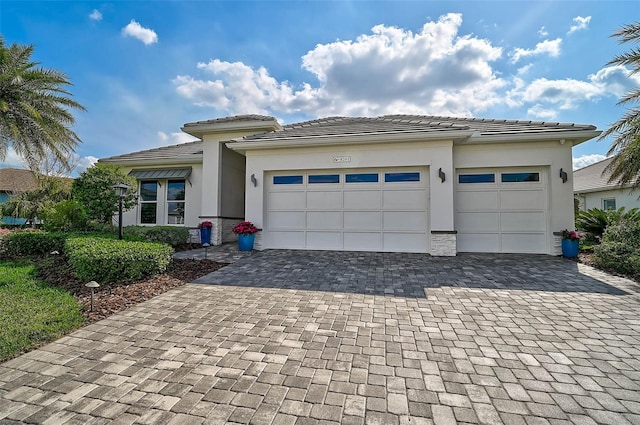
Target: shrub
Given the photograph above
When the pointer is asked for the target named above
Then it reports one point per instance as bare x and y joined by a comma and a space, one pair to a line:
173, 236
17, 244
111, 260
65, 216
594, 221
620, 248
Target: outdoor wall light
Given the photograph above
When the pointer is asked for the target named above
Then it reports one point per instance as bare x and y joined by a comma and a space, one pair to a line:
254, 180
442, 175
563, 175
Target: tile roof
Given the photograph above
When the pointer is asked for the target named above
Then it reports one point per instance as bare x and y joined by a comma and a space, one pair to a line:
180, 151
235, 118
414, 123
591, 178
17, 180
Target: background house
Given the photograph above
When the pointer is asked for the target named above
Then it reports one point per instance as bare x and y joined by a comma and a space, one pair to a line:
14, 181
592, 189
400, 183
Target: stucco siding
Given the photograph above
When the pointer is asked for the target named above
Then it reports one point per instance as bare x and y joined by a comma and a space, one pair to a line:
624, 198
233, 184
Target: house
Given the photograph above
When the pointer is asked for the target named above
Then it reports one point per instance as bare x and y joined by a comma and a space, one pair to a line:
396, 183
14, 181
592, 189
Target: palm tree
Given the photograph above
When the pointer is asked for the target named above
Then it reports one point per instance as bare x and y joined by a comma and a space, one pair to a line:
34, 107
625, 165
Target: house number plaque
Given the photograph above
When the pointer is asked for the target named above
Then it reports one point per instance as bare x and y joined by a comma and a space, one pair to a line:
337, 159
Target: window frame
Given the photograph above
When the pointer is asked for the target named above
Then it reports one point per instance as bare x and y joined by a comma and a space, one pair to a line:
352, 177
144, 202
288, 179
402, 177
175, 201
521, 173
461, 176
605, 201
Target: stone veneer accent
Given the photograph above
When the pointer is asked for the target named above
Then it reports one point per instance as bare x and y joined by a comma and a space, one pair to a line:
557, 243
443, 244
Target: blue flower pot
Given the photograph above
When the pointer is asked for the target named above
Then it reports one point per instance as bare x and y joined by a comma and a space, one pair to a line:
245, 242
205, 235
570, 248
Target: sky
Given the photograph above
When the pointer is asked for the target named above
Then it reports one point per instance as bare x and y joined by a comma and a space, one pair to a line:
142, 69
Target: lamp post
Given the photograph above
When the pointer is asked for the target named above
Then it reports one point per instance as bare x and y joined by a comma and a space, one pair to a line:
121, 190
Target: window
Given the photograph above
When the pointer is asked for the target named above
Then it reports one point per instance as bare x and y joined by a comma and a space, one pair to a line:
175, 201
362, 178
287, 179
401, 177
148, 202
609, 204
520, 177
326, 178
476, 178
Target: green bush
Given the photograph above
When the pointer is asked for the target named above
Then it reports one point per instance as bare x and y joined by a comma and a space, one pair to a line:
620, 248
65, 216
17, 244
594, 221
115, 261
171, 235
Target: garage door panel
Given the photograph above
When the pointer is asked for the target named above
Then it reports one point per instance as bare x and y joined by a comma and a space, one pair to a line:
362, 220
404, 220
519, 221
478, 242
480, 200
363, 241
478, 221
286, 219
290, 200
287, 239
324, 240
362, 199
319, 220
404, 200
405, 242
521, 200
324, 200
524, 243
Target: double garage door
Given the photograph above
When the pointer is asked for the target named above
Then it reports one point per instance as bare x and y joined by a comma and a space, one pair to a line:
501, 210
354, 210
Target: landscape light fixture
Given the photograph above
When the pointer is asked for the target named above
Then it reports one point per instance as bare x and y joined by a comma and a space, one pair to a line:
121, 190
93, 285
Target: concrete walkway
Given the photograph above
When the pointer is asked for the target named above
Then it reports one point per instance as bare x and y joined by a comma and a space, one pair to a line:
285, 337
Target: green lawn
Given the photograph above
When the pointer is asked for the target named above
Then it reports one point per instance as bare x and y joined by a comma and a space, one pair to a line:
31, 312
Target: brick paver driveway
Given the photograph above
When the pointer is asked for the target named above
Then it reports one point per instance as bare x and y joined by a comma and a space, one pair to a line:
289, 337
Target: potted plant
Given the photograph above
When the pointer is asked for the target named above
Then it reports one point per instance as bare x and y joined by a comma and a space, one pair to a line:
205, 232
246, 232
570, 243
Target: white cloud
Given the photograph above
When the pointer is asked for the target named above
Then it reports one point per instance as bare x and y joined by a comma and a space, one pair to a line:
542, 113
524, 69
95, 15
135, 30
542, 32
174, 138
549, 47
390, 70
12, 160
580, 24
82, 163
584, 160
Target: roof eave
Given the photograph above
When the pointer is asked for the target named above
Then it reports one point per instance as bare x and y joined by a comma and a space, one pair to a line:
257, 126
346, 139
575, 137
190, 159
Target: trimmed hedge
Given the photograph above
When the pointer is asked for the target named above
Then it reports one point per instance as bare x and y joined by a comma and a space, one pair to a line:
17, 244
620, 248
171, 235
111, 260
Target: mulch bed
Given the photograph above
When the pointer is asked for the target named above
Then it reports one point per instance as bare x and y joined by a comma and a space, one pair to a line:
110, 299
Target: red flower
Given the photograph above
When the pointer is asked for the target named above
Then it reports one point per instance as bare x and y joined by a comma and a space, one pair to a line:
205, 225
245, 228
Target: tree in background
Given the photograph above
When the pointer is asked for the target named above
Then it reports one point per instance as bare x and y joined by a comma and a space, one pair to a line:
93, 189
34, 108
625, 165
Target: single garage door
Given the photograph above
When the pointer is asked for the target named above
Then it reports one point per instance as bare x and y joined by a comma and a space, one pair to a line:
352, 210
501, 210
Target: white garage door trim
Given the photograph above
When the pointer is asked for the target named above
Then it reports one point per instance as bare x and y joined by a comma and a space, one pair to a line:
502, 210
381, 209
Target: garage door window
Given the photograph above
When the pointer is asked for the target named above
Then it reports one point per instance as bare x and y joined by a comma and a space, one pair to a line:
324, 178
520, 177
362, 178
287, 179
476, 178
401, 177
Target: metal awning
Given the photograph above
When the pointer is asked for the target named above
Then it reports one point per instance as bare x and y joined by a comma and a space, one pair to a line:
161, 173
